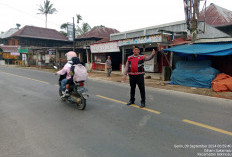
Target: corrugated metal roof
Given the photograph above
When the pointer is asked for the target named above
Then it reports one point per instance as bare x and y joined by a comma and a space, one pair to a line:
174, 27
39, 33
216, 16
213, 40
211, 32
8, 33
179, 41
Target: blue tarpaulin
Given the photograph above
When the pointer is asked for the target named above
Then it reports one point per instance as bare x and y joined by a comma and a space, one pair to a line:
213, 49
194, 74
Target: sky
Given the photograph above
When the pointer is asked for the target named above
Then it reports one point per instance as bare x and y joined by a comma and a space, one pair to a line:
123, 15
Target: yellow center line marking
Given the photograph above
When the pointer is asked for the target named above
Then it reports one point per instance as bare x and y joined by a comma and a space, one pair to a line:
25, 77
150, 110
122, 102
207, 127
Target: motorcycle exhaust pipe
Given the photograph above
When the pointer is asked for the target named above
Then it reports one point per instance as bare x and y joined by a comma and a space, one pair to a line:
76, 99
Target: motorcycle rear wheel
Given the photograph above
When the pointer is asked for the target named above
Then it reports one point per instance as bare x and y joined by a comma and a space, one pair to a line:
82, 104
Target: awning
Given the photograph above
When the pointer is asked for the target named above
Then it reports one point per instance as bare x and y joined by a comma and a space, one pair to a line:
179, 41
212, 49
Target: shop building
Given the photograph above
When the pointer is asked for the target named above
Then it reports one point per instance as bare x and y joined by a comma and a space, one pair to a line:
101, 50
83, 42
158, 38
39, 46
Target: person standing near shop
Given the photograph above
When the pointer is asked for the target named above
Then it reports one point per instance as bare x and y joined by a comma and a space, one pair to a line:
135, 69
109, 66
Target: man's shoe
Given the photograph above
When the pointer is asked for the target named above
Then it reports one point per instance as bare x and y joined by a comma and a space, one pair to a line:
130, 103
142, 105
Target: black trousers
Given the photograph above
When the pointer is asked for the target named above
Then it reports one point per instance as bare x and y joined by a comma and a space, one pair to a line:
139, 80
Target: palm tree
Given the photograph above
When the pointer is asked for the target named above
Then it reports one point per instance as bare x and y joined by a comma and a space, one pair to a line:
46, 9
18, 25
83, 29
79, 18
86, 27
64, 26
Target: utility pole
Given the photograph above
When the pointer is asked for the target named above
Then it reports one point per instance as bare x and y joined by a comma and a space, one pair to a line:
191, 8
73, 35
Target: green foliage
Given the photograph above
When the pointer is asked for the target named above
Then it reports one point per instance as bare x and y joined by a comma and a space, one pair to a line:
18, 25
46, 8
64, 26
64, 33
83, 29
79, 18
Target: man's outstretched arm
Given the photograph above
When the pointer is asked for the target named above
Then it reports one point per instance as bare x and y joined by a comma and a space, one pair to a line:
147, 58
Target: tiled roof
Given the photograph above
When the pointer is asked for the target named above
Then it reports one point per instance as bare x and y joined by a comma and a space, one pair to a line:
8, 33
104, 40
216, 16
99, 32
40, 33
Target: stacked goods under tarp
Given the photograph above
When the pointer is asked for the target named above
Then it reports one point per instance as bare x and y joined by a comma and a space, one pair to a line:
222, 83
194, 74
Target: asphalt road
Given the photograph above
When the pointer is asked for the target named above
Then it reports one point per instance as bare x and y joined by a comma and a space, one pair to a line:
34, 122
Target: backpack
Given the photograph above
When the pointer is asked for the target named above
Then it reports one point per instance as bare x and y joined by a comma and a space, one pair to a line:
80, 73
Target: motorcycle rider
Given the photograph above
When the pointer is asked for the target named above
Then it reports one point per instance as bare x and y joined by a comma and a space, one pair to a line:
66, 71
75, 61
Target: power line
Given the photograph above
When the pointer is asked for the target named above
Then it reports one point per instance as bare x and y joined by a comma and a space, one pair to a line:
26, 13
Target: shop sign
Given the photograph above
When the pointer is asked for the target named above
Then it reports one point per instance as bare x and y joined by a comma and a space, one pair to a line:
70, 31
51, 52
15, 54
104, 47
140, 40
23, 50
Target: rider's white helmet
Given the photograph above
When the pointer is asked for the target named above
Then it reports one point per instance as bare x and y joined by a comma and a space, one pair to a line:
70, 55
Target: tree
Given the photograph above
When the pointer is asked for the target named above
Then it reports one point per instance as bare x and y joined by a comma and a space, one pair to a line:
64, 33
64, 26
18, 25
83, 29
86, 27
46, 9
79, 18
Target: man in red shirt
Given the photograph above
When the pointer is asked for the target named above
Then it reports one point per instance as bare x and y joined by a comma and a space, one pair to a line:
135, 69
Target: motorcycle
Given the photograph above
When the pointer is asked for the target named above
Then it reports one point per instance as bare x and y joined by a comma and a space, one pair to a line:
77, 93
